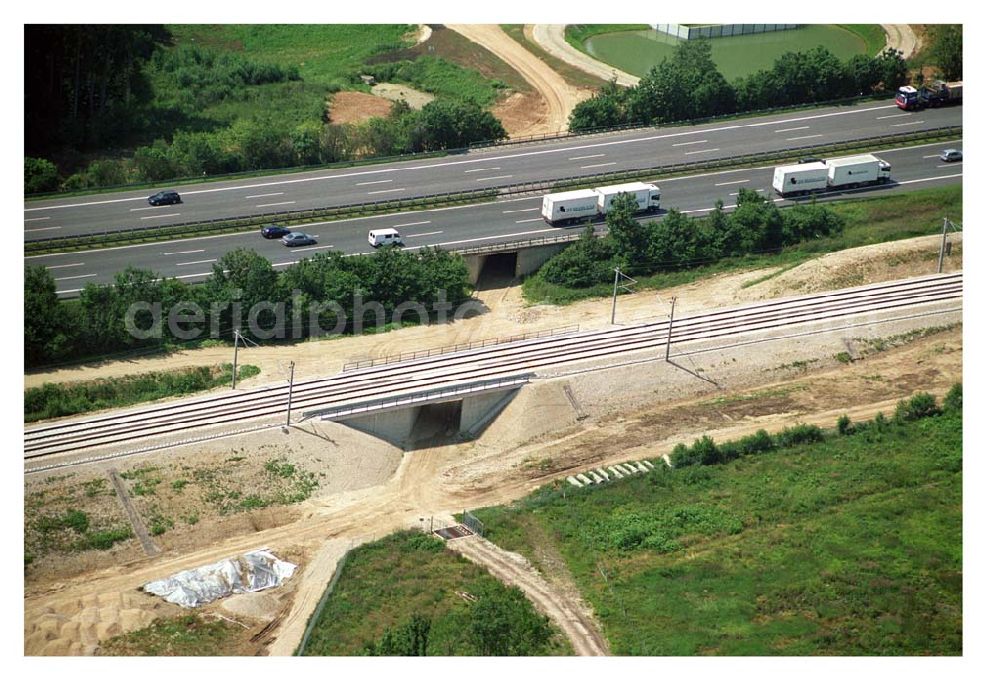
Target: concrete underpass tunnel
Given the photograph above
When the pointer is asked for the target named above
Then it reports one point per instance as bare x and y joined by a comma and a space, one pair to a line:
498, 272
436, 424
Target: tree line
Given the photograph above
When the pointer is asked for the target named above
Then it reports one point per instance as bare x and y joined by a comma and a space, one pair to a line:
688, 86
678, 241
95, 324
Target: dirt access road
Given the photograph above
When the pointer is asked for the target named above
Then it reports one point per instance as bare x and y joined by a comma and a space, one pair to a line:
902, 37
559, 97
552, 38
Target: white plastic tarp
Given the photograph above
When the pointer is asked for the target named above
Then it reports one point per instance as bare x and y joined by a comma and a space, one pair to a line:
250, 572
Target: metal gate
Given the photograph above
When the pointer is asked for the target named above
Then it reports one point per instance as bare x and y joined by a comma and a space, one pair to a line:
472, 522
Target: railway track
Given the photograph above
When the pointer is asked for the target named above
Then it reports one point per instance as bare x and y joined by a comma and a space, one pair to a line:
409, 377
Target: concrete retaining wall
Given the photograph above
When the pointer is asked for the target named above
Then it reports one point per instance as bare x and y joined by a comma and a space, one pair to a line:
688, 32
531, 259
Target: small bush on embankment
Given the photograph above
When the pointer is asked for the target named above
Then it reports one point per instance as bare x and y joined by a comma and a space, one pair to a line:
822, 544
53, 400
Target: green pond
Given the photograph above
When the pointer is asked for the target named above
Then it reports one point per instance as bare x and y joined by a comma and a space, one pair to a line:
636, 52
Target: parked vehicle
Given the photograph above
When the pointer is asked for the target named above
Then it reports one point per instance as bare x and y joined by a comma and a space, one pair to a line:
385, 236
273, 232
164, 197
574, 205
297, 239
837, 173
931, 95
951, 155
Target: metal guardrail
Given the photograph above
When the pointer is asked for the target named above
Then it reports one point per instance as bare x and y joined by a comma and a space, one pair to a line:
422, 397
240, 222
431, 352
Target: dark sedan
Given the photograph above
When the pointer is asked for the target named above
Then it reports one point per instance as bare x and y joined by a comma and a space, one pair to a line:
164, 197
297, 239
273, 232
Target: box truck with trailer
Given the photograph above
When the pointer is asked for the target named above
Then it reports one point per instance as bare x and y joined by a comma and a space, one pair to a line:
846, 172
574, 205
931, 95
799, 179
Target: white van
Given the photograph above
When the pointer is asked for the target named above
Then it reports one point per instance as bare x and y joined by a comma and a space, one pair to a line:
390, 236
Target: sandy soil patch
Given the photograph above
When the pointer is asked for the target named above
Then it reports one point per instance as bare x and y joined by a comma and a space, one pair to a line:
414, 98
354, 107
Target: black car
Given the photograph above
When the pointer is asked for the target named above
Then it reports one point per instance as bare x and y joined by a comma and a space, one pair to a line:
273, 232
165, 197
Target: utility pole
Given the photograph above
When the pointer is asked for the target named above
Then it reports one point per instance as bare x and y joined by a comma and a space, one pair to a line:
670, 327
288, 412
614, 295
236, 353
619, 285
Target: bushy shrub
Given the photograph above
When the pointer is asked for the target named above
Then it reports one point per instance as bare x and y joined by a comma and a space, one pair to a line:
919, 406
40, 175
953, 400
844, 426
803, 433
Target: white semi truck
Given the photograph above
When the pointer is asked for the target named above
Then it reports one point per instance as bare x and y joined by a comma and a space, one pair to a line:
847, 172
574, 205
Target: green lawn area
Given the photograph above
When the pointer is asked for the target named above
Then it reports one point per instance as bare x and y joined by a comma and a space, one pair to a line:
385, 583
867, 221
849, 546
637, 51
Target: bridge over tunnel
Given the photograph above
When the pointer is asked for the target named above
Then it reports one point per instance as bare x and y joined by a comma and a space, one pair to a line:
429, 419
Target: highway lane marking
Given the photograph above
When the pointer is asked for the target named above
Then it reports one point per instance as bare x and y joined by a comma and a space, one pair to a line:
247, 197
387, 190
194, 263
798, 138
942, 166
482, 169
493, 178
906, 124
529, 220
275, 204
897, 115
158, 216
603, 164
515, 211
587, 157
65, 265
38, 230
546, 151
413, 223
436, 232
38, 218
75, 277
695, 152
790, 129
490, 237
690, 143
730, 183
371, 183
816, 117
935, 155
471, 206
190, 251
757, 190
142, 209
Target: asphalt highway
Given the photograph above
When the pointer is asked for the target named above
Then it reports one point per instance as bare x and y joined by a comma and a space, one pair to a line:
488, 168
464, 227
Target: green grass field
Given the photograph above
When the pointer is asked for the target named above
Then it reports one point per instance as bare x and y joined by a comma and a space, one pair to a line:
868, 221
850, 546
637, 51
384, 583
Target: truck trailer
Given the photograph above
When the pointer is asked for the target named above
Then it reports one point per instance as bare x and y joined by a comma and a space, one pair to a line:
847, 172
574, 205
799, 178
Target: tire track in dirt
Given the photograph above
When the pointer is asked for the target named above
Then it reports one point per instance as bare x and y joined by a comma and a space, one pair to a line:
559, 96
512, 569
